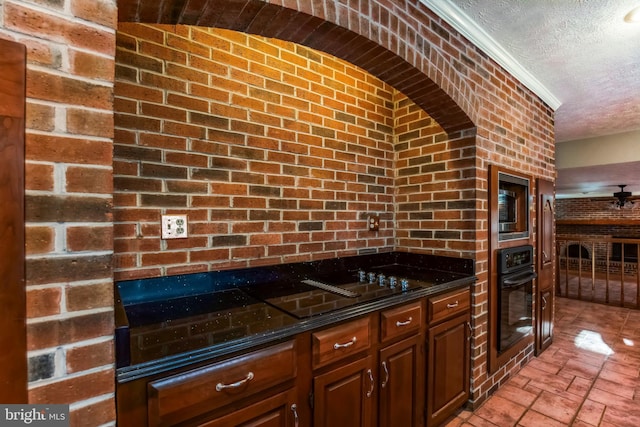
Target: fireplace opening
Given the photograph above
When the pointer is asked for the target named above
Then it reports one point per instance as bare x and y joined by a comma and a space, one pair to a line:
576, 250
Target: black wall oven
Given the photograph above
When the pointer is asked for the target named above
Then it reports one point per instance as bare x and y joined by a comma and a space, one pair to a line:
515, 295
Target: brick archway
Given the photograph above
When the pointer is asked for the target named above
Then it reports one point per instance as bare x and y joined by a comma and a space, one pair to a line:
387, 41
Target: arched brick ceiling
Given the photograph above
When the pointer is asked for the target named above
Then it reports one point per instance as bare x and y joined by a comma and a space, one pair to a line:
269, 20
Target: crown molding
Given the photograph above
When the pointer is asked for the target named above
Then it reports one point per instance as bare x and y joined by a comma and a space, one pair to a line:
476, 35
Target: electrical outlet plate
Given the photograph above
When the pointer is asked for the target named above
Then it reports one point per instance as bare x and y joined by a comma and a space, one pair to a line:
174, 226
373, 222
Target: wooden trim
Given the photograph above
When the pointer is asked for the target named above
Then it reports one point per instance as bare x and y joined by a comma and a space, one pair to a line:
13, 333
497, 360
599, 221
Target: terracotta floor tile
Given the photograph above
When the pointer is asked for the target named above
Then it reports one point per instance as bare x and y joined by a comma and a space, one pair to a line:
546, 366
558, 407
579, 368
500, 411
477, 421
591, 412
614, 388
621, 368
536, 419
580, 387
588, 377
624, 418
516, 394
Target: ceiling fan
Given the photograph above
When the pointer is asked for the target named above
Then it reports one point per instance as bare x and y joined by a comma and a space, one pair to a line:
623, 199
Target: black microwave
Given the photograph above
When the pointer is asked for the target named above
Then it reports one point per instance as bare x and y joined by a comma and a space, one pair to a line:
513, 207
507, 211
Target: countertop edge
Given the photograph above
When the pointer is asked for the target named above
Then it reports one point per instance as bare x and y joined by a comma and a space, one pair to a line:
183, 360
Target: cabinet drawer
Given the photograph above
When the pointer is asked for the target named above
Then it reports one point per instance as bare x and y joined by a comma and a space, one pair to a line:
444, 306
398, 321
340, 341
187, 395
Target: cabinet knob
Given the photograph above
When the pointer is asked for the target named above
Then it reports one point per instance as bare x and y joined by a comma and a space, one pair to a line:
454, 305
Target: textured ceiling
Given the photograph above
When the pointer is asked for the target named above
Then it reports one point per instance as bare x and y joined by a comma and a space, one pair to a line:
588, 57
582, 51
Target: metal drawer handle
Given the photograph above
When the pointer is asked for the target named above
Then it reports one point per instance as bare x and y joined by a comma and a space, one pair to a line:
405, 323
221, 386
370, 392
345, 345
386, 374
294, 409
454, 305
544, 303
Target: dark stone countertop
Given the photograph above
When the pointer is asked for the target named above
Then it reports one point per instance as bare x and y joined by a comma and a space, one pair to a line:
176, 321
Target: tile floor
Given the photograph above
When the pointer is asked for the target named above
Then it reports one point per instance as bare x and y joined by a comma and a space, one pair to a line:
589, 376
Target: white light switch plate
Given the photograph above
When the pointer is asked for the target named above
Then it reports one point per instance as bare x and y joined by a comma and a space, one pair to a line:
174, 226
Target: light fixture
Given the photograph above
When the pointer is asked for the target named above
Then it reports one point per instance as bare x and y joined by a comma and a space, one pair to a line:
623, 201
633, 16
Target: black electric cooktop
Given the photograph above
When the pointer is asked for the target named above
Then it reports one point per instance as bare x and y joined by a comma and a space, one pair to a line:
302, 299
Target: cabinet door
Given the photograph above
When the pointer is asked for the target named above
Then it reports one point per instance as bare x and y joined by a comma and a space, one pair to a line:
344, 396
545, 265
447, 369
401, 387
276, 411
545, 319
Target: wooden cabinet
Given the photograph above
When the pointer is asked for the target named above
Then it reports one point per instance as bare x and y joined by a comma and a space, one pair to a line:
344, 396
448, 356
366, 372
544, 329
401, 366
339, 342
189, 395
545, 263
280, 410
358, 394
401, 391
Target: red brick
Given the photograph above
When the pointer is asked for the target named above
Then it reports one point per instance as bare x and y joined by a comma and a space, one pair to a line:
52, 87
74, 389
92, 66
58, 29
89, 238
86, 357
62, 149
39, 176
39, 240
101, 12
40, 117
53, 333
95, 413
43, 302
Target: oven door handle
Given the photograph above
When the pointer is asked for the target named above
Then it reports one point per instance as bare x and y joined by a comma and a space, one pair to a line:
519, 280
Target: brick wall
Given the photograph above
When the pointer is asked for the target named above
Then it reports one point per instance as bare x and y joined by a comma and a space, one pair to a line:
276, 152
435, 186
69, 244
592, 209
71, 55
575, 216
